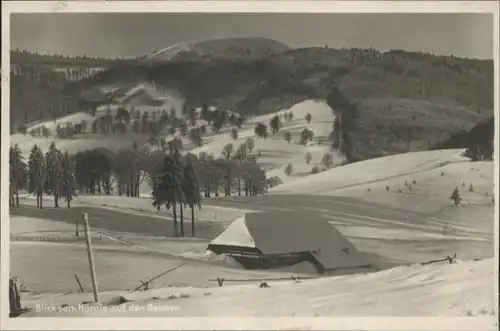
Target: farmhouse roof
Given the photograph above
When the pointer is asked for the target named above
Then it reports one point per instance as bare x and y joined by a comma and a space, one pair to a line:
284, 232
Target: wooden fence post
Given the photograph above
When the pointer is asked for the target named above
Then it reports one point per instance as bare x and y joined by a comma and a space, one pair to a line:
91, 258
79, 284
14, 297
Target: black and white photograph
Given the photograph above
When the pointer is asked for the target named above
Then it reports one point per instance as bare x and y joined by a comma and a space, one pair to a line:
250, 164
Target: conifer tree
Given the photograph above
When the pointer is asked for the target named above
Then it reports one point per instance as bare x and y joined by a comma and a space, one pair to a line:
18, 173
53, 180
275, 124
168, 186
455, 196
68, 181
36, 174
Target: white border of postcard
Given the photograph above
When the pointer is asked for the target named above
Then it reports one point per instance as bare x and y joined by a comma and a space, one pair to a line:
356, 323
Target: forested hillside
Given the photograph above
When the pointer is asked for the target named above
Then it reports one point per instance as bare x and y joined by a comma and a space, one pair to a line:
404, 101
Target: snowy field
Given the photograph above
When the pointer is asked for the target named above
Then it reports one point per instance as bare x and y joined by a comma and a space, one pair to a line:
393, 236
462, 289
48, 267
395, 209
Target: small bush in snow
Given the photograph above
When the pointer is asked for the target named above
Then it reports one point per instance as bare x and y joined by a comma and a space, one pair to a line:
22, 129
308, 118
250, 142
327, 160
387, 188
315, 170
305, 136
261, 130
471, 188
288, 136
45, 132
234, 133
414, 181
288, 169
442, 173
400, 190
308, 157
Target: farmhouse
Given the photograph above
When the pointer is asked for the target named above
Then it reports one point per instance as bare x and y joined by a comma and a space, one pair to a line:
275, 239
139, 96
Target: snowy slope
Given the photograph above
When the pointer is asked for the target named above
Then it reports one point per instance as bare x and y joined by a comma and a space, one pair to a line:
371, 171
275, 152
112, 142
72, 119
169, 99
418, 182
169, 52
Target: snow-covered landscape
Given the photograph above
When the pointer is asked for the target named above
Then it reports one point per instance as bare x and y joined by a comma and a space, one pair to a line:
286, 220
398, 230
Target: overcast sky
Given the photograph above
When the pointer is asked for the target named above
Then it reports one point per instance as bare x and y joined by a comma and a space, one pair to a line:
128, 35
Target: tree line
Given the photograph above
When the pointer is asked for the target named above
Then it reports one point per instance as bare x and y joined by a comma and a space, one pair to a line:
100, 171
51, 173
177, 180
24, 57
151, 122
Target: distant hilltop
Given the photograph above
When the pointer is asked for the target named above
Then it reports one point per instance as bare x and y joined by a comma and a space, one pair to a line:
250, 47
219, 48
